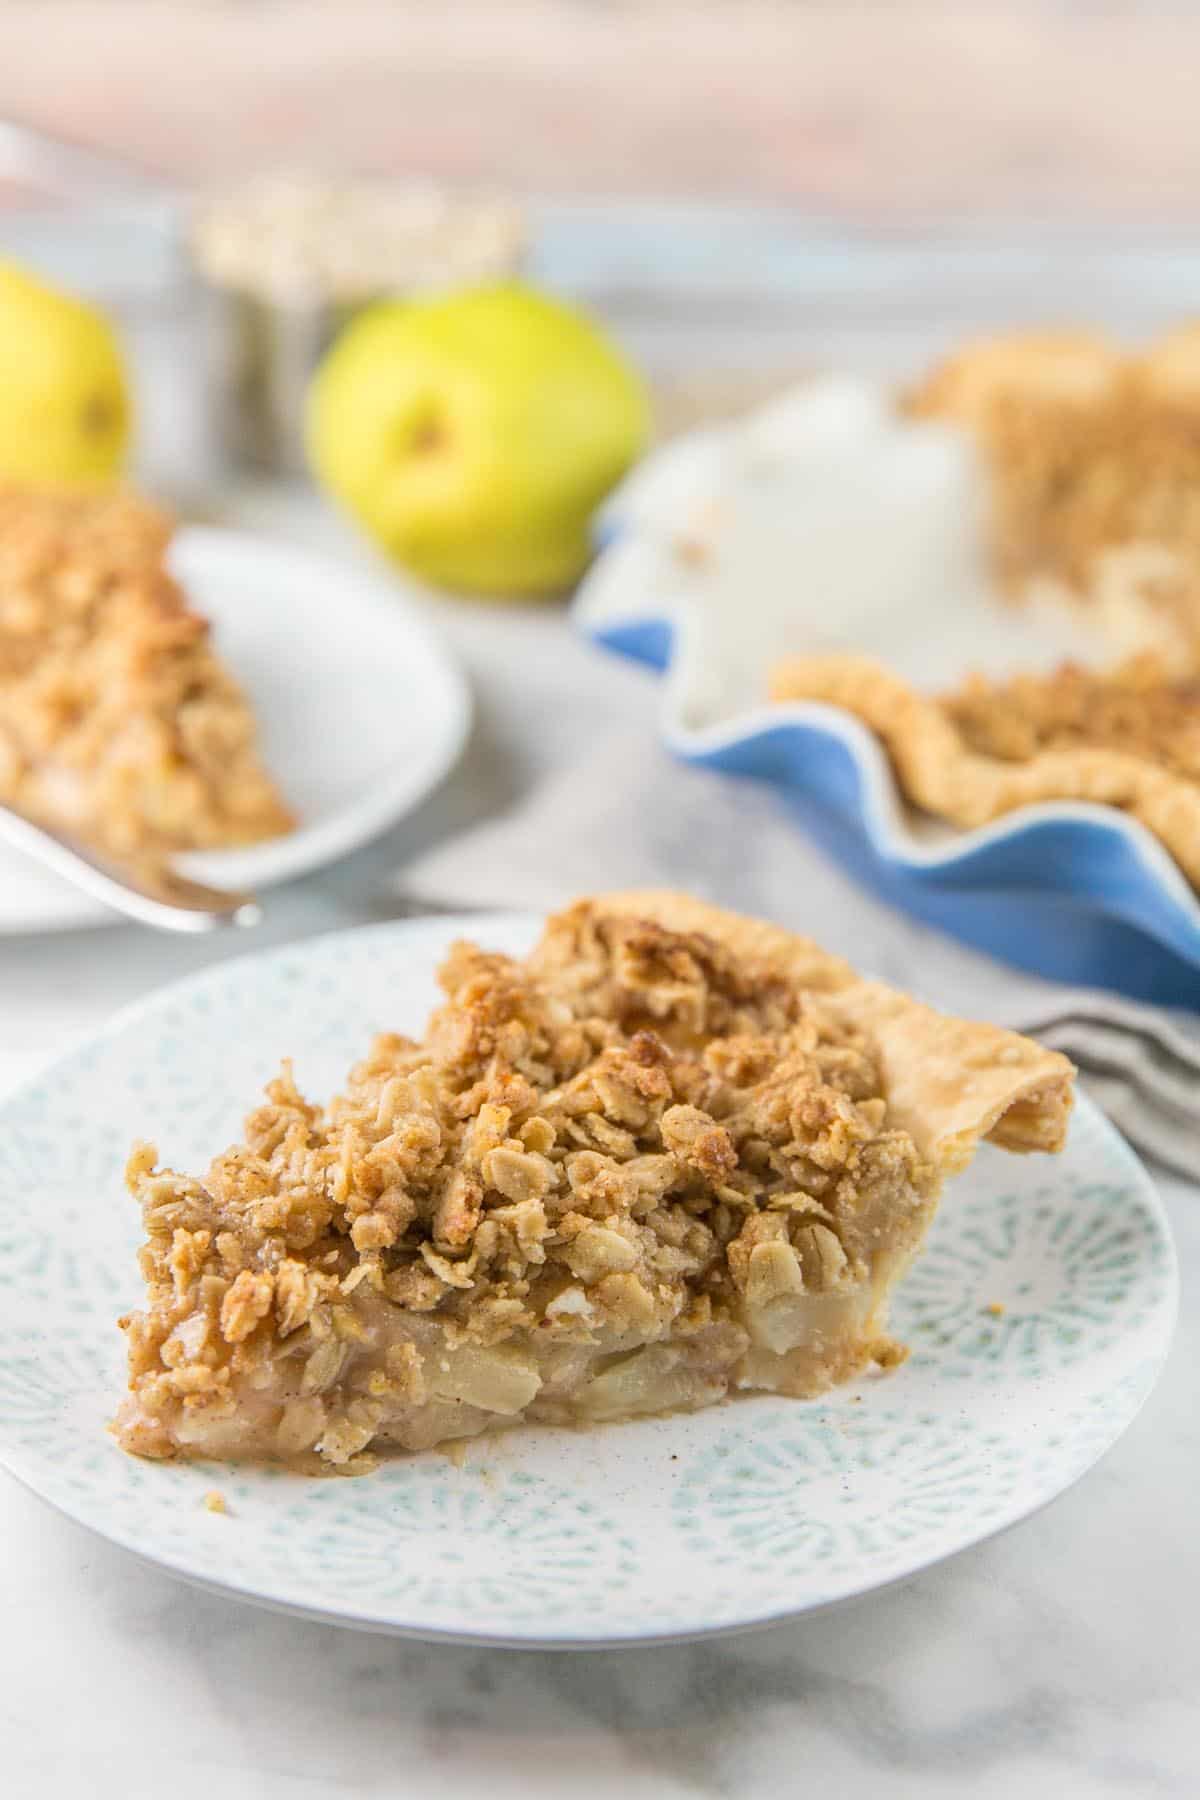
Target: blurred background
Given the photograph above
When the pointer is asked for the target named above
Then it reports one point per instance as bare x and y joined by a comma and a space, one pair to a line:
740, 186
864, 112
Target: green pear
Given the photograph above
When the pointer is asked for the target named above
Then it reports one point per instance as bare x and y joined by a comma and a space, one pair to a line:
64, 394
474, 435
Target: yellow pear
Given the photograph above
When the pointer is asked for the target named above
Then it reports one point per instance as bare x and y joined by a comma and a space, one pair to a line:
474, 435
64, 397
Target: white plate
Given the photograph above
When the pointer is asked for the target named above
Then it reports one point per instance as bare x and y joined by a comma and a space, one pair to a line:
661, 1529
361, 712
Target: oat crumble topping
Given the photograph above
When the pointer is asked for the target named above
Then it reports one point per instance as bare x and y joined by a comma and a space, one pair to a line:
1094, 458
1137, 709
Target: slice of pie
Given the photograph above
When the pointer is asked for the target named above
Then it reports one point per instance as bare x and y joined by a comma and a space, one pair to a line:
1127, 737
672, 1155
118, 722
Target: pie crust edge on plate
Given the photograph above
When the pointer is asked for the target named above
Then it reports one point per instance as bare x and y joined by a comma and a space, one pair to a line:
673, 1154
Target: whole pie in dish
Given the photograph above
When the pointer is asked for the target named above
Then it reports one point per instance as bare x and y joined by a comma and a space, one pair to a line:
118, 722
671, 1155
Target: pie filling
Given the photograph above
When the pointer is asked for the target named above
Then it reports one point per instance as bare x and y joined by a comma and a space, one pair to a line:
118, 722
671, 1155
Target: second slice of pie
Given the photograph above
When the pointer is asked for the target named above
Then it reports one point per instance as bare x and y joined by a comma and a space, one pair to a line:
672, 1155
119, 723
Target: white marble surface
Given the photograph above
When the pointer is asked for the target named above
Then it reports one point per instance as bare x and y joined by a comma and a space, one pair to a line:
1061, 1659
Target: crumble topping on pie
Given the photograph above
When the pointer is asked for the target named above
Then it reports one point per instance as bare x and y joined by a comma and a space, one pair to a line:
1137, 709
117, 719
671, 1154
1094, 459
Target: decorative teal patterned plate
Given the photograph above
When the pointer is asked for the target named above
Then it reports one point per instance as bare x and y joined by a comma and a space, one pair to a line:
661, 1529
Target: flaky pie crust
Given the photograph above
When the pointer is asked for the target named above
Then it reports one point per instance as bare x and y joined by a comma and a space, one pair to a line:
1128, 739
